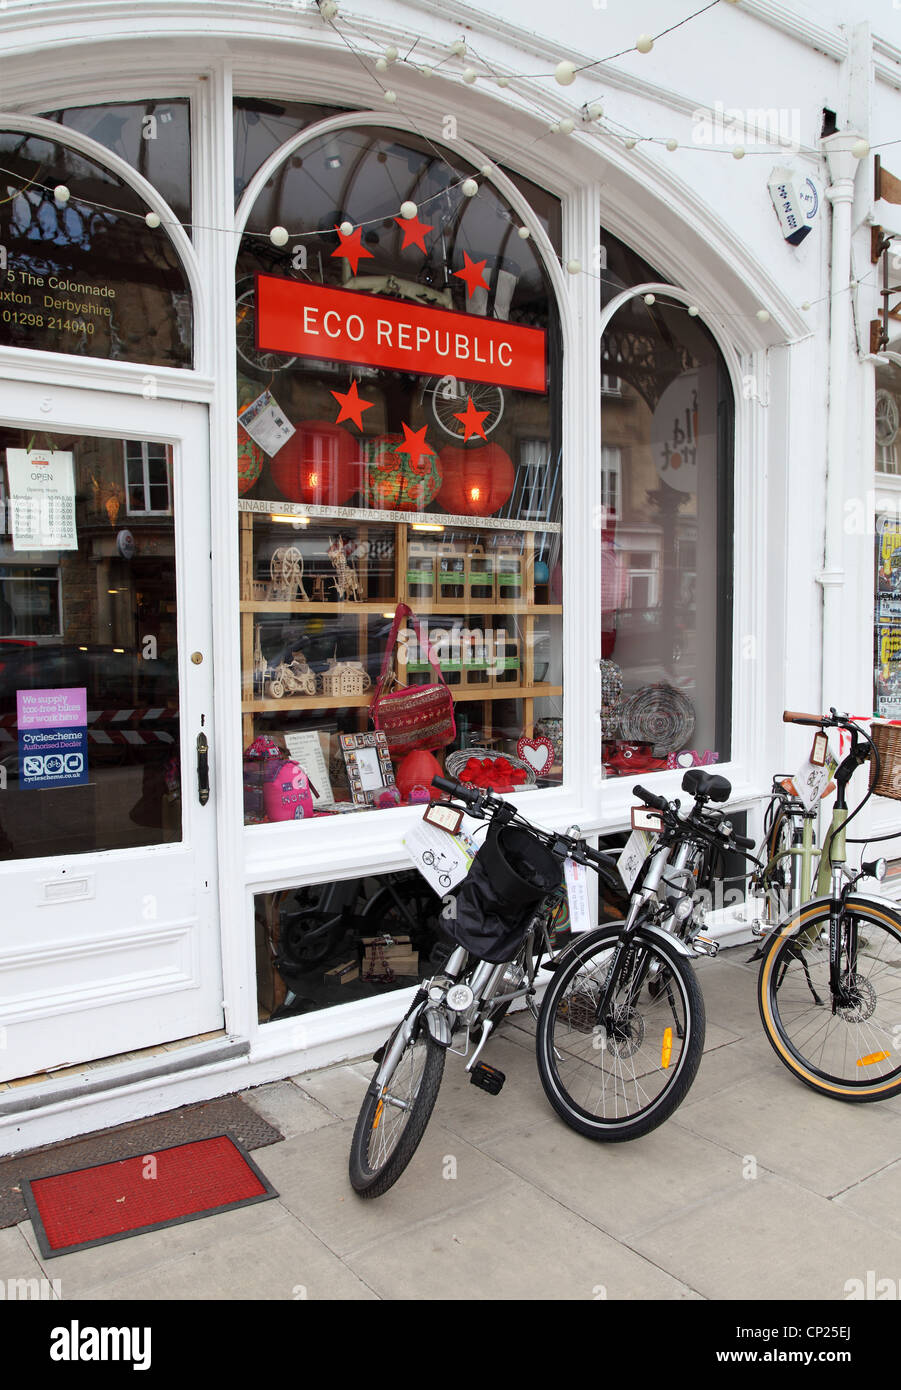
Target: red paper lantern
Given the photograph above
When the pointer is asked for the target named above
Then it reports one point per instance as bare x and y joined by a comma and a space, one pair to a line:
476, 482
394, 481
416, 769
319, 464
250, 461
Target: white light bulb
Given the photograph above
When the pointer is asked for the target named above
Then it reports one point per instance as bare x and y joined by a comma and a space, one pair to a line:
524, 233
391, 53
381, 64
426, 72
644, 43
469, 188
61, 193
458, 48
763, 315
503, 82
554, 127
672, 144
630, 142
152, 219
566, 126
390, 97
693, 310
487, 170
574, 266
408, 210
469, 75
278, 236
328, 9
595, 111
650, 299
346, 229
860, 149
806, 304
565, 73
738, 152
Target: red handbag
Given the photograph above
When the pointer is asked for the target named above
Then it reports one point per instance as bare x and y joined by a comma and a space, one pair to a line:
413, 716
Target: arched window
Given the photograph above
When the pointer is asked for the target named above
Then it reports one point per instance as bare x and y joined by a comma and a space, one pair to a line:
86, 275
399, 393
667, 427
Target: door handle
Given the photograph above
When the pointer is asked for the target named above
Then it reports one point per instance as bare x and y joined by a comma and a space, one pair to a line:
203, 769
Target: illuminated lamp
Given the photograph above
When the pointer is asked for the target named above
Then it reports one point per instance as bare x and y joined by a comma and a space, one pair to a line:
476, 482
317, 465
395, 481
250, 461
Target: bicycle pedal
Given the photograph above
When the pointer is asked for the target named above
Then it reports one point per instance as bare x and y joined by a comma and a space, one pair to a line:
487, 1078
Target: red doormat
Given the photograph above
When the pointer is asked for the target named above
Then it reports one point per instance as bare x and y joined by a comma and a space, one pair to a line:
90, 1206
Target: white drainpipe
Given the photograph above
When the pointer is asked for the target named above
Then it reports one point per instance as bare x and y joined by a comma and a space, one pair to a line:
840, 193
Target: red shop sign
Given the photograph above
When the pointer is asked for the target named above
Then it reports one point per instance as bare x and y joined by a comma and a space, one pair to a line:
373, 331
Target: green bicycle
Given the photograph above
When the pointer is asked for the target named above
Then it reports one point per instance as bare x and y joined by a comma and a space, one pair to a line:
829, 988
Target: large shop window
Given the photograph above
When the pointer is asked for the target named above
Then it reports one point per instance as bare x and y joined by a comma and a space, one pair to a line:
398, 445
666, 532
86, 276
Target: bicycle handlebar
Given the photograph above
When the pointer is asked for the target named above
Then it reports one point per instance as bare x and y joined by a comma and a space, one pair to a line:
791, 716
659, 803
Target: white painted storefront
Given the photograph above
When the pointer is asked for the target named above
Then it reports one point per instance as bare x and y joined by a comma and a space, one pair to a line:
110, 948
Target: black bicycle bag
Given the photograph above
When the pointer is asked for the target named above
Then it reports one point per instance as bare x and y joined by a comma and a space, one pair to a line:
493, 905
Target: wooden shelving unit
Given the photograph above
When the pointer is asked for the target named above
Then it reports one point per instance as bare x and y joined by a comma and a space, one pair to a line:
481, 612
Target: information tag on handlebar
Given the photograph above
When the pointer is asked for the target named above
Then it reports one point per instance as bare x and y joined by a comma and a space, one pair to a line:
811, 780
576, 878
443, 860
646, 818
819, 749
632, 856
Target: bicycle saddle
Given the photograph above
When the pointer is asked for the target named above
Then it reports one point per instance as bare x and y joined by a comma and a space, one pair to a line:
708, 785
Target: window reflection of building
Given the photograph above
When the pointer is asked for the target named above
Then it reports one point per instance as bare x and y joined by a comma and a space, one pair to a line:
665, 452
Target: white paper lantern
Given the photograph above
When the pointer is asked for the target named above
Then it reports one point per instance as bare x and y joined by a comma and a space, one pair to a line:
278, 236
152, 219
469, 188
644, 43
61, 193
565, 73
408, 210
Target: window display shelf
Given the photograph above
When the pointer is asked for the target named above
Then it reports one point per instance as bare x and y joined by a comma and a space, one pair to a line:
344, 564
379, 517
463, 695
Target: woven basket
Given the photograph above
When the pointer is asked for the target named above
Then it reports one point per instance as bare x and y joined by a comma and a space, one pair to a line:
659, 715
455, 762
887, 738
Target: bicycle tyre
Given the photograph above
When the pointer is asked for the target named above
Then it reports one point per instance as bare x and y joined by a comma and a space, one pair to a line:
374, 1170
665, 1068
835, 1052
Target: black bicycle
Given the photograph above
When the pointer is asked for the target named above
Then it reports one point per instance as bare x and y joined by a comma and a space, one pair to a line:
620, 1028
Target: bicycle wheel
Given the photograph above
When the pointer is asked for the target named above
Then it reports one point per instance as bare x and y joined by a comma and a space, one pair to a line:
393, 1118
849, 1051
619, 1077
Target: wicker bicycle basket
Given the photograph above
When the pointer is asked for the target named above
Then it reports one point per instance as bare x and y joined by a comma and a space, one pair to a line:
887, 738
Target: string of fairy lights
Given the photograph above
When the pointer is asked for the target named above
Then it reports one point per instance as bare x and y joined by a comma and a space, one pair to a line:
591, 119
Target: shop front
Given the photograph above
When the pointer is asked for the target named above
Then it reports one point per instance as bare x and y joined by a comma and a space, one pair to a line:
305, 405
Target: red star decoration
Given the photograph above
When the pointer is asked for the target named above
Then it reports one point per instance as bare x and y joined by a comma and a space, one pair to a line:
351, 248
414, 231
351, 406
414, 446
472, 274
472, 420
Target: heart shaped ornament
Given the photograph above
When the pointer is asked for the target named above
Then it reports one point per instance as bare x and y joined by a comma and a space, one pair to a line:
537, 752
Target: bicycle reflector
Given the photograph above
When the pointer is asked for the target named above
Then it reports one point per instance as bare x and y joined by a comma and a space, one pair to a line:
873, 1057
666, 1050
646, 818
